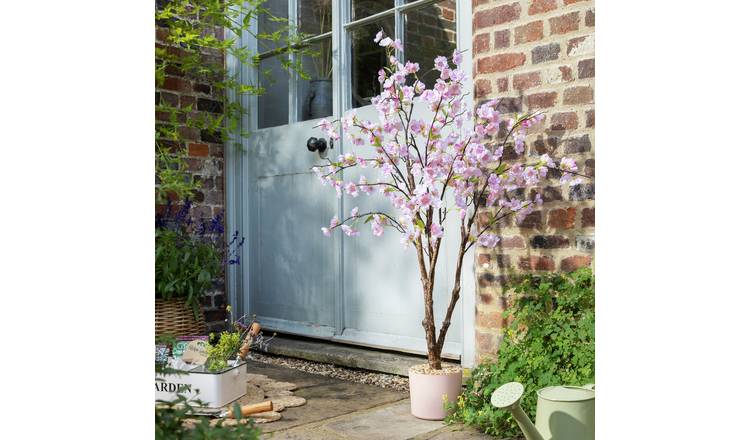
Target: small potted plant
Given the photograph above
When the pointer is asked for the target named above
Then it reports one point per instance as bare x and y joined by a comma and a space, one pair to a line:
212, 372
449, 164
191, 257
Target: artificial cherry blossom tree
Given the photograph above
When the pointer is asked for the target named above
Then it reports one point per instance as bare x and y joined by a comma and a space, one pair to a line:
448, 164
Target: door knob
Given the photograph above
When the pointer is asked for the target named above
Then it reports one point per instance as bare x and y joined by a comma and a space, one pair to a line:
317, 144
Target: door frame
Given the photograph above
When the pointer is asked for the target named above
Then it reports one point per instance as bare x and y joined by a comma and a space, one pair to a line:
238, 168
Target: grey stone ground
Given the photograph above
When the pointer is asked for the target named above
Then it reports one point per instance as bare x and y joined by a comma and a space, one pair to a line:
338, 409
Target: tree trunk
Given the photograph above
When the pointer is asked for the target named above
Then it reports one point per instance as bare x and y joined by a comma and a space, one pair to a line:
433, 352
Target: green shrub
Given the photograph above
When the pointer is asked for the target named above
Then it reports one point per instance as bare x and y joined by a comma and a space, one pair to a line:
185, 266
549, 341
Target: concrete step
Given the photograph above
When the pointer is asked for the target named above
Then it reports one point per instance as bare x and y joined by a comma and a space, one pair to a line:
346, 355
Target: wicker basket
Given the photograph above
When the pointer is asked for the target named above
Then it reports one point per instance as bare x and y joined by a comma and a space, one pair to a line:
174, 317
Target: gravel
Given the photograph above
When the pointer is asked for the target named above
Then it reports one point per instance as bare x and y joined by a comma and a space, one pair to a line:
382, 380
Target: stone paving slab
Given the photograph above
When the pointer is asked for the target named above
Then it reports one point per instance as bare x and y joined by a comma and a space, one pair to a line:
391, 422
326, 397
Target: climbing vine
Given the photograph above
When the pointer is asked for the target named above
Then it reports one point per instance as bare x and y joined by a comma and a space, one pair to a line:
197, 35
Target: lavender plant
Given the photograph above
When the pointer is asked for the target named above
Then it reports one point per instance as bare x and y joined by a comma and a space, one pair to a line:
191, 254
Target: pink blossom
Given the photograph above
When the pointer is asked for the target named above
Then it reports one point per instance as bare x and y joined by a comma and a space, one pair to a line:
488, 240
326, 232
441, 63
457, 57
355, 211
351, 189
378, 36
349, 231
436, 231
334, 222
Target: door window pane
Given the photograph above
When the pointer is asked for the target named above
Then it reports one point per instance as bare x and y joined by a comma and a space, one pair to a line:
273, 105
314, 16
430, 32
365, 8
315, 95
367, 58
267, 26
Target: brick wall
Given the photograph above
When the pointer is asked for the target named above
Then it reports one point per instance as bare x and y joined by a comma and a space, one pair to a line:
538, 55
205, 150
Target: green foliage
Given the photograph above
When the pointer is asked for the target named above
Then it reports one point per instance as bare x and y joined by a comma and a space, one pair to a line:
199, 33
550, 341
170, 424
186, 267
228, 345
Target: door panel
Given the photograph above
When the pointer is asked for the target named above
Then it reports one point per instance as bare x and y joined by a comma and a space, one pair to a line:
383, 300
296, 269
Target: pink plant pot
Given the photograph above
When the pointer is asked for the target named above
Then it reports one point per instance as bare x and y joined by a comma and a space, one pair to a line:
428, 392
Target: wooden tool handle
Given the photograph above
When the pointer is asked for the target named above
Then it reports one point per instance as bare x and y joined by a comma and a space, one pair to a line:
254, 408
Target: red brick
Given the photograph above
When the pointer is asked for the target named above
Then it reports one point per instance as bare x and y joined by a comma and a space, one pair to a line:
570, 2
503, 261
586, 69
564, 121
541, 6
487, 343
581, 45
479, 2
198, 150
176, 84
449, 14
587, 217
536, 263
549, 242
515, 241
590, 118
188, 133
564, 23
187, 101
502, 84
533, 220
481, 43
578, 95
533, 31
562, 218
499, 15
482, 88
567, 73
570, 264
487, 299
502, 39
590, 18
483, 259
525, 81
589, 167
541, 100
501, 62
490, 319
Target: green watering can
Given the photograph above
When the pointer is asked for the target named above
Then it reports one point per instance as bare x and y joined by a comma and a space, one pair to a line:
562, 412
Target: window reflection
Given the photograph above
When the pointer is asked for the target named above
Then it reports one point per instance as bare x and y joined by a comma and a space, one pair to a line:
430, 32
273, 105
367, 58
365, 8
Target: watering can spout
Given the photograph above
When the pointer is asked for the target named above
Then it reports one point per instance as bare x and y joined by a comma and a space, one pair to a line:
508, 397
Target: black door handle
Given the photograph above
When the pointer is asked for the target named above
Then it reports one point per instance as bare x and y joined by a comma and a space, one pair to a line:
317, 144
